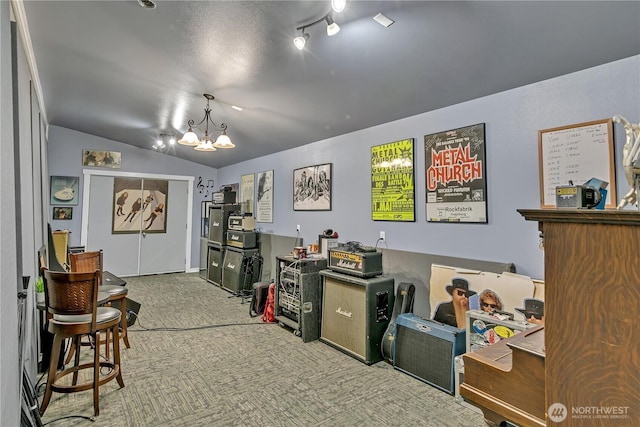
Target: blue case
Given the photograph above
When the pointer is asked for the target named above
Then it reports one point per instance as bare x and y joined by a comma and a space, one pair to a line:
425, 349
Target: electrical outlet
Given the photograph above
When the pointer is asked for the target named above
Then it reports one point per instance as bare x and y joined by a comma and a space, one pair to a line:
298, 228
383, 236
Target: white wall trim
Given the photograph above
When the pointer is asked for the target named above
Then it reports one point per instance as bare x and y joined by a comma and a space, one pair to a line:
23, 26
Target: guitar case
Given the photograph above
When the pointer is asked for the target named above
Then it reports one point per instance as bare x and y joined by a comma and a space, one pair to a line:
403, 304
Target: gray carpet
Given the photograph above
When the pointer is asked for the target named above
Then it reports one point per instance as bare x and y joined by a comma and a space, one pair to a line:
244, 372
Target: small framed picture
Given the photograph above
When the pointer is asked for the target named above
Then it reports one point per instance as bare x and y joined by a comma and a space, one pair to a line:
60, 212
102, 159
64, 190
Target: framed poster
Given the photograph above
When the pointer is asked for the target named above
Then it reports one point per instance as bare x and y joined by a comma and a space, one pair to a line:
572, 155
62, 212
247, 192
103, 159
139, 205
455, 172
392, 182
64, 190
312, 188
264, 205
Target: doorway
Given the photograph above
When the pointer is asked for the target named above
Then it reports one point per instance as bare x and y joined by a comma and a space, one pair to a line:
131, 246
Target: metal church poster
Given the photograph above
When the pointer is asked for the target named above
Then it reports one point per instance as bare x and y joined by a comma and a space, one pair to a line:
455, 174
392, 181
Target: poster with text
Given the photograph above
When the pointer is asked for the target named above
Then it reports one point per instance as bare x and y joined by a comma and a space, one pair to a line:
247, 192
392, 182
264, 205
455, 172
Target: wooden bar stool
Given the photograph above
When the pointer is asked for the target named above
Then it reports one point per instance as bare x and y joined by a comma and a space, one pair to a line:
71, 300
89, 261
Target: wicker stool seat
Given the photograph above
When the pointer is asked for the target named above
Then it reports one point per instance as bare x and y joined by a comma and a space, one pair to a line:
89, 261
71, 300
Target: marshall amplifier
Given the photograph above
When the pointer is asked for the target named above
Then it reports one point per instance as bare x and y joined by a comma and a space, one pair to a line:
355, 263
355, 313
237, 275
426, 349
219, 221
242, 239
242, 222
222, 197
214, 264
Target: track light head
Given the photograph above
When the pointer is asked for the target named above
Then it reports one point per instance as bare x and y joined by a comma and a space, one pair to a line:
332, 27
338, 5
301, 40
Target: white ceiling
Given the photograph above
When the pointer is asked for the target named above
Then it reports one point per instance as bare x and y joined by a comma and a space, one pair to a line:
116, 70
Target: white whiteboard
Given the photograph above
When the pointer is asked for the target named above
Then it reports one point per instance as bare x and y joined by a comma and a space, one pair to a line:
576, 153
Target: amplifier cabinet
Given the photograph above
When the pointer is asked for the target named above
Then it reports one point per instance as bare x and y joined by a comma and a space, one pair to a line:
361, 264
355, 313
234, 270
219, 222
242, 222
426, 349
214, 267
242, 239
298, 295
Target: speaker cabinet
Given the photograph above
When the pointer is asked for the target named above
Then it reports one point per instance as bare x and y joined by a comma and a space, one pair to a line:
426, 350
219, 221
214, 267
355, 313
234, 269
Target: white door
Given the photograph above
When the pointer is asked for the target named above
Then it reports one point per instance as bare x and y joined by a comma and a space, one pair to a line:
142, 252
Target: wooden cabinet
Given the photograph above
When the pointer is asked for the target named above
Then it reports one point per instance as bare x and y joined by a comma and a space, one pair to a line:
592, 314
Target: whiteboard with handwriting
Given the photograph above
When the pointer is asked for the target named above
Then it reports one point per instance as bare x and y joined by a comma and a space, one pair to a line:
575, 154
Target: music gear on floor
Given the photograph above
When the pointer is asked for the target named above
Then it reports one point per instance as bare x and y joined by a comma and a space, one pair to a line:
355, 313
356, 260
425, 349
403, 304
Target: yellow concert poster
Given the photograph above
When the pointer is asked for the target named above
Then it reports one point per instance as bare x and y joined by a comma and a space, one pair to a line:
392, 182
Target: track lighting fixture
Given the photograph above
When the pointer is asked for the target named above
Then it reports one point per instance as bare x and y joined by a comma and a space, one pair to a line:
164, 141
191, 139
338, 5
332, 28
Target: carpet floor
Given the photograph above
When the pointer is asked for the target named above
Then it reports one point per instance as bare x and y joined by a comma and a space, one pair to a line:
198, 359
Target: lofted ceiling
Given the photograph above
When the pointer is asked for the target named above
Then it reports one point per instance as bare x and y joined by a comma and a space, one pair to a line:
119, 71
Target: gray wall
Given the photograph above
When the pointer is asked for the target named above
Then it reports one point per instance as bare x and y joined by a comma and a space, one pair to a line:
65, 158
9, 374
512, 119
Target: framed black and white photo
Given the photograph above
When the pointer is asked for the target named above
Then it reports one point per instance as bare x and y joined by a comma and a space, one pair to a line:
312, 188
264, 206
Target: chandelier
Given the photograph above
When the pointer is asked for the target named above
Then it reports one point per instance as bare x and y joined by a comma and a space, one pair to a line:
205, 144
